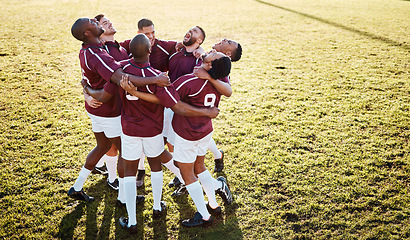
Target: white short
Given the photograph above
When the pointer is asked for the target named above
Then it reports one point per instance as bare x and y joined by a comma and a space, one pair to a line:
171, 135
186, 151
110, 126
133, 147
168, 115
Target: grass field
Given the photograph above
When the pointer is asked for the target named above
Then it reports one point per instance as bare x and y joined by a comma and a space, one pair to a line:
316, 134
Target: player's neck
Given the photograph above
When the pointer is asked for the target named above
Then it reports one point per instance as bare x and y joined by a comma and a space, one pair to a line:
141, 60
92, 41
191, 48
107, 38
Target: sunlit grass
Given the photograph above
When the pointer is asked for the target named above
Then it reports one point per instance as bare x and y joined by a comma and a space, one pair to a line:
316, 134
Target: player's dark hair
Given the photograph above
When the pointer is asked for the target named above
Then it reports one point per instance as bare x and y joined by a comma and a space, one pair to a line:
139, 46
78, 28
99, 16
144, 22
202, 32
236, 55
221, 68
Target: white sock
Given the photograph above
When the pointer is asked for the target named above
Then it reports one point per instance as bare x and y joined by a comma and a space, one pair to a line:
171, 166
208, 185
141, 165
157, 181
100, 162
111, 162
130, 199
217, 184
82, 176
214, 149
121, 190
197, 195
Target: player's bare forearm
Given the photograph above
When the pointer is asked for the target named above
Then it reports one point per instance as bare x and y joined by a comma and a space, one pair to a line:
161, 80
91, 101
147, 97
98, 94
131, 89
223, 88
185, 109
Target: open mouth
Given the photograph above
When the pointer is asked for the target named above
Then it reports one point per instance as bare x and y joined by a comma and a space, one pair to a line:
187, 37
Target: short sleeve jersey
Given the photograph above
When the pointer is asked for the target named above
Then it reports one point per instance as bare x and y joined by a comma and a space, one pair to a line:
140, 118
160, 53
117, 51
199, 93
97, 67
181, 63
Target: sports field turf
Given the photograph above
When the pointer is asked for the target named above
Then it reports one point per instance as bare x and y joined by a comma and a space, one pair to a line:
316, 133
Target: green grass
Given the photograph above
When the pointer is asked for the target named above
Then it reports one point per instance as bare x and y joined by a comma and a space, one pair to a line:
316, 134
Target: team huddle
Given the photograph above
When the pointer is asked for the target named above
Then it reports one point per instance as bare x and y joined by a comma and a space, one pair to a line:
144, 93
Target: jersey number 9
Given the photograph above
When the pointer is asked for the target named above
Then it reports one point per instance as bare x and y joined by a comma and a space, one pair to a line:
210, 100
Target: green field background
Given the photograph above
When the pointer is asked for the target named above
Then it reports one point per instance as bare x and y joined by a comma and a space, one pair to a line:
316, 134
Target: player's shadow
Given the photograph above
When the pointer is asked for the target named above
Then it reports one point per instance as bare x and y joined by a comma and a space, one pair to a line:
335, 24
225, 226
106, 199
72, 219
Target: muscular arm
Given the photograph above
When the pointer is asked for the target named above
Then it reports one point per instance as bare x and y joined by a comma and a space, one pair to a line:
98, 94
161, 80
91, 101
185, 109
130, 88
222, 87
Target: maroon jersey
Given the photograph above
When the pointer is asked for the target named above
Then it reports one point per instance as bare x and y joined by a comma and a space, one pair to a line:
140, 118
118, 52
160, 53
199, 93
97, 67
181, 63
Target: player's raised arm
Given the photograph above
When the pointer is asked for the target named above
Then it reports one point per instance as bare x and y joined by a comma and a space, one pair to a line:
223, 88
161, 80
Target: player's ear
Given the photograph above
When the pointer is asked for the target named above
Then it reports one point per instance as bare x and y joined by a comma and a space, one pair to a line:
229, 54
87, 33
199, 41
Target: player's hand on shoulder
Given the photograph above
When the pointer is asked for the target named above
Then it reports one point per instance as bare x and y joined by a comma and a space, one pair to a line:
163, 80
202, 73
213, 112
179, 46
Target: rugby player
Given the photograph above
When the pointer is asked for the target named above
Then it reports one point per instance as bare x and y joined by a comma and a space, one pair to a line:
159, 57
233, 50
101, 71
118, 53
192, 135
142, 124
